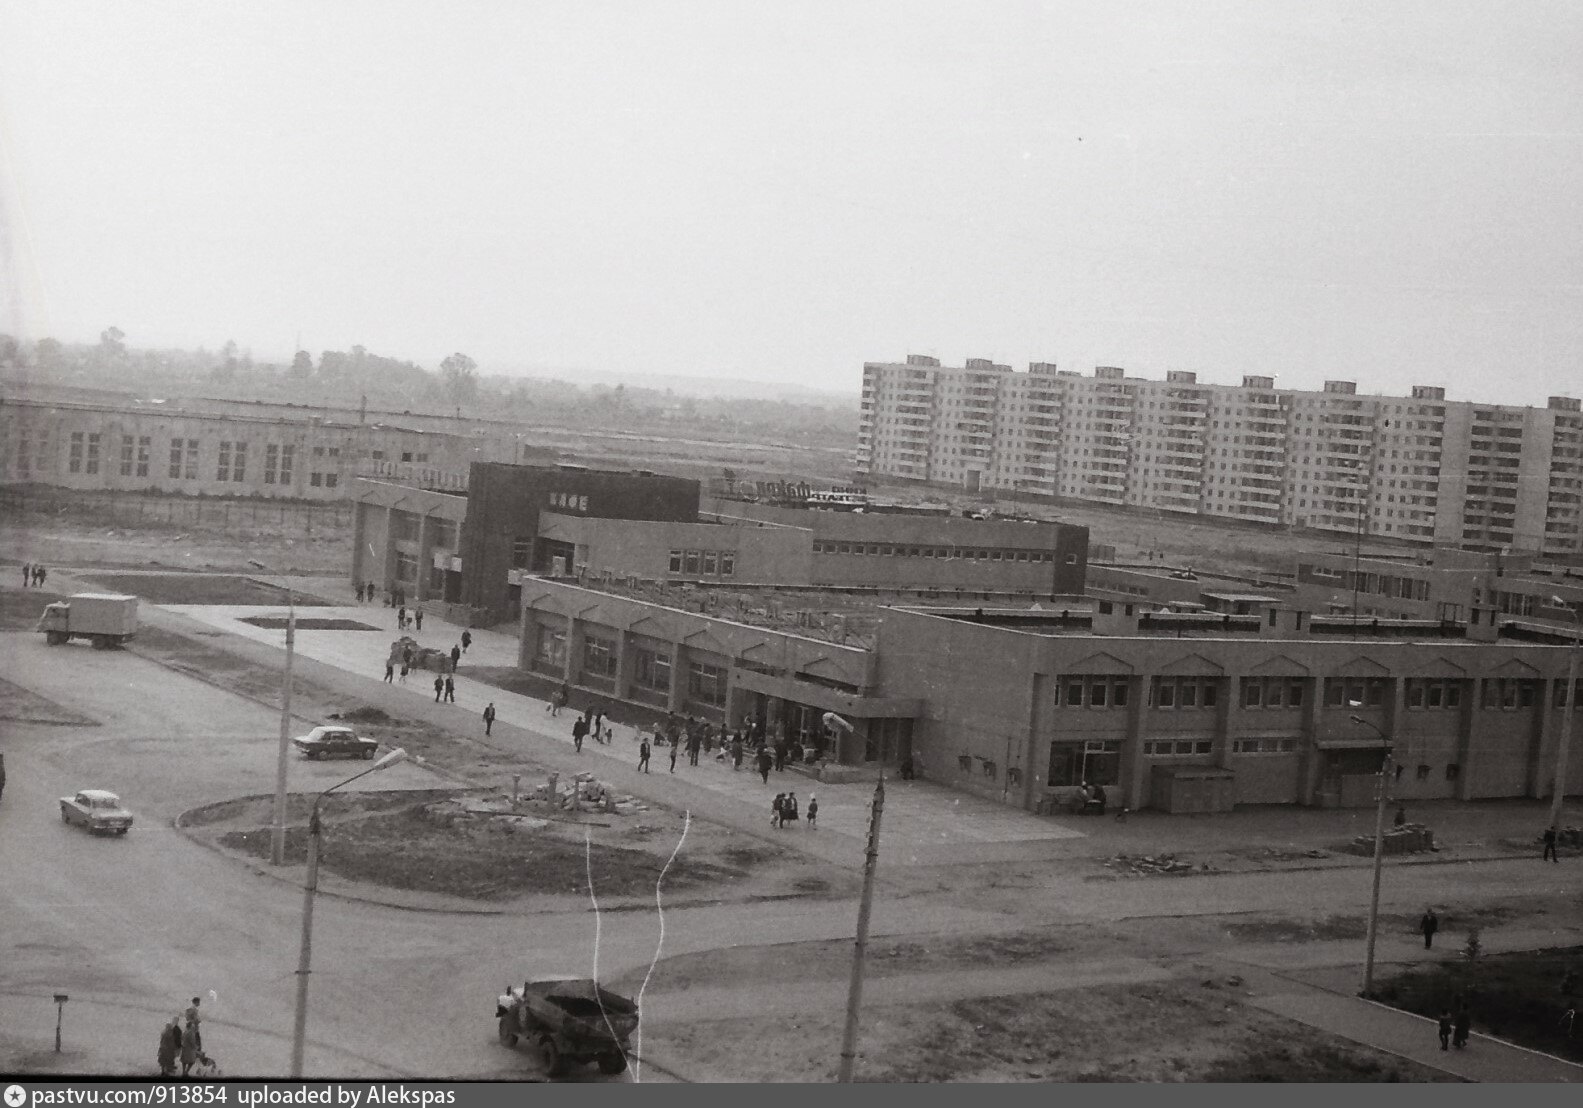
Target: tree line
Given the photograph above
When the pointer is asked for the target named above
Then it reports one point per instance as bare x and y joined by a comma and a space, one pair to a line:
350, 378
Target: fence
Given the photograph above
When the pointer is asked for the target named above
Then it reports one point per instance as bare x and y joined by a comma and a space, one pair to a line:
231, 517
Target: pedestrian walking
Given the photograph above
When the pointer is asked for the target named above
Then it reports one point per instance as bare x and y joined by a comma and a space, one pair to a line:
27, 573
598, 725
813, 810
439, 688
467, 640
560, 698
776, 808
1445, 1029
1550, 845
417, 618
372, 591
737, 750
405, 669
489, 717
456, 657
169, 1046
189, 1047
674, 749
401, 619
390, 672
39, 573
643, 756
765, 761
450, 690
694, 744
579, 730
1429, 924
1461, 1027
789, 809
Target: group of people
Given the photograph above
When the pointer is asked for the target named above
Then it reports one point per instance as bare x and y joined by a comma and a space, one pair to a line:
33, 575
591, 723
404, 621
1455, 1024
181, 1040
395, 596
784, 810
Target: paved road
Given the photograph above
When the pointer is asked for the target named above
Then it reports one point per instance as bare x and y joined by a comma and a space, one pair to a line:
132, 927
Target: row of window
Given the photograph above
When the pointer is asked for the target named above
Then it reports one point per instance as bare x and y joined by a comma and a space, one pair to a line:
704, 563
945, 553
706, 682
1420, 693
84, 456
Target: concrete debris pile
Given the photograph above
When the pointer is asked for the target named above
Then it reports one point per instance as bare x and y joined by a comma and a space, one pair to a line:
1409, 838
585, 790
1139, 865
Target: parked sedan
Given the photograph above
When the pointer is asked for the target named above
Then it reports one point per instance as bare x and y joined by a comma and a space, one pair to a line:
335, 742
96, 810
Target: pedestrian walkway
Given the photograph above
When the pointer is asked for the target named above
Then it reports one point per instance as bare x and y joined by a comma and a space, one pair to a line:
924, 823
1415, 1038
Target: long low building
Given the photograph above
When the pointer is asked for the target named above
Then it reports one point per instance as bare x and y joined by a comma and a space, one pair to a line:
1023, 704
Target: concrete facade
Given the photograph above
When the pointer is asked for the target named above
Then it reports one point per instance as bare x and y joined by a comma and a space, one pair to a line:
1021, 705
1418, 468
159, 449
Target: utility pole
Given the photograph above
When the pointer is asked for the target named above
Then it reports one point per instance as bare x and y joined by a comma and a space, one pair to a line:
1379, 853
277, 839
854, 998
1560, 789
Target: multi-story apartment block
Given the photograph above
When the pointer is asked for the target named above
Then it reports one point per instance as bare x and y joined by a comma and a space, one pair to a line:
1419, 468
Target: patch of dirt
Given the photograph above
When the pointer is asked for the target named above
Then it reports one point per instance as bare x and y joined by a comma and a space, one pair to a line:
1286, 930
21, 705
254, 810
1522, 997
200, 588
482, 859
308, 623
1173, 1032
19, 607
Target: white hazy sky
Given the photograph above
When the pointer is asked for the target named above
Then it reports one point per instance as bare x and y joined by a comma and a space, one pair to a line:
1383, 191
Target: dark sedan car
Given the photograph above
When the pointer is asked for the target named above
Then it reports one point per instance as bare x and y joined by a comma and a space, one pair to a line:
335, 742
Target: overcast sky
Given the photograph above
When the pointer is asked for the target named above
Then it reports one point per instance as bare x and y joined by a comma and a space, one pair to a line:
1380, 191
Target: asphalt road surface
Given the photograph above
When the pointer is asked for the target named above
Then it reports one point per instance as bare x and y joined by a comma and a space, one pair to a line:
132, 927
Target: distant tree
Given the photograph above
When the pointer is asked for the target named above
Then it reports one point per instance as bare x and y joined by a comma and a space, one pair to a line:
9, 350
112, 344
301, 365
459, 378
48, 353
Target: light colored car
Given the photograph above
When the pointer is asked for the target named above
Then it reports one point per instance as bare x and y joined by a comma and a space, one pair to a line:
96, 810
335, 742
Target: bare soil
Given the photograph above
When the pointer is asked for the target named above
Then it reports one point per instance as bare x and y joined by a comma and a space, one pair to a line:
199, 588
1170, 1032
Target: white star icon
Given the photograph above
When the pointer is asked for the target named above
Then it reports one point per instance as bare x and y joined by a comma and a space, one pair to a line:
15, 1096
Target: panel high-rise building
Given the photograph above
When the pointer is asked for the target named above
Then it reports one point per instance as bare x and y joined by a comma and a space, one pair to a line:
1419, 468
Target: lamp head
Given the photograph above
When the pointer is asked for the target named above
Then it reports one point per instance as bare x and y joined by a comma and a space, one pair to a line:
396, 755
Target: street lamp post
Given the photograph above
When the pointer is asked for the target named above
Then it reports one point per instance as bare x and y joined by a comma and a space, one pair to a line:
310, 887
1559, 791
1379, 854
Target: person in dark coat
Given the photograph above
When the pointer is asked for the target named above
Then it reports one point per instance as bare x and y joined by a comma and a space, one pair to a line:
674, 751
780, 756
2, 774
489, 717
776, 807
1445, 1029
439, 688
450, 690
467, 640
737, 750
417, 618
390, 672
401, 619
1429, 924
765, 761
579, 731
39, 573
813, 811
27, 574
456, 656
1549, 854
189, 1047
1461, 1027
694, 745
643, 756
169, 1046
789, 809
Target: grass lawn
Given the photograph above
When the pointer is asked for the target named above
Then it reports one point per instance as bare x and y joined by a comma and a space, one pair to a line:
1516, 997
